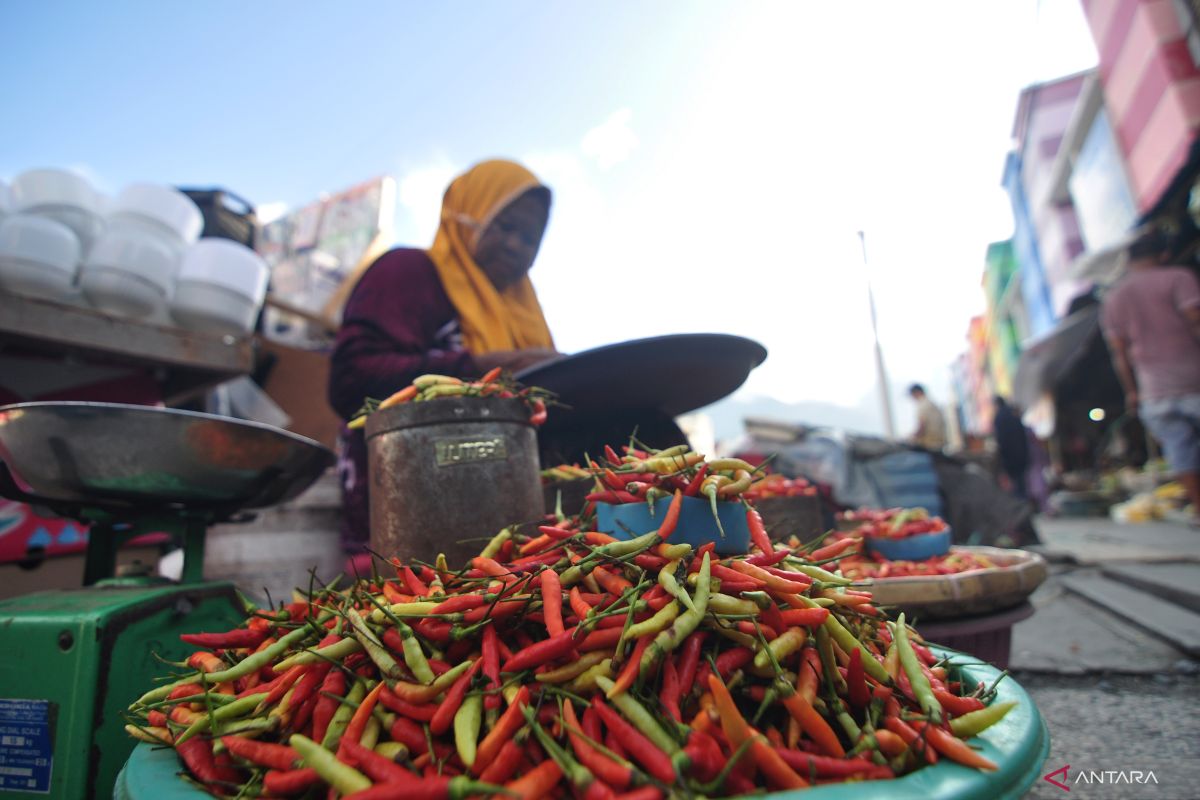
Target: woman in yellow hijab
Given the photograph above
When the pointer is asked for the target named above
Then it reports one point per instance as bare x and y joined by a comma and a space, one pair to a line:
459, 308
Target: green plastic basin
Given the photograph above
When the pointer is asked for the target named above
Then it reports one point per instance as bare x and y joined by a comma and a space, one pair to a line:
1019, 743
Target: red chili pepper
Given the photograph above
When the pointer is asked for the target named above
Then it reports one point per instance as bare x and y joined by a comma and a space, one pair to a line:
552, 601
290, 783
460, 602
671, 519
502, 609
540, 653
449, 706
831, 550
511, 721
644, 751
266, 754
758, 533
828, 767
599, 640
750, 629
230, 640
490, 652
613, 496
539, 412
732, 659
952, 747
612, 456
793, 577
371, 764
630, 671
414, 583
197, 754
704, 754
689, 659
957, 705
423, 712
335, 685
409, 734
769, 559
693, 488
808, 617
856, 681
505, 764
914, 739
616, 775
668, 693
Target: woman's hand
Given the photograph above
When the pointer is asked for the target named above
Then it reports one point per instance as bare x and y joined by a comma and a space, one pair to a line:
516, 360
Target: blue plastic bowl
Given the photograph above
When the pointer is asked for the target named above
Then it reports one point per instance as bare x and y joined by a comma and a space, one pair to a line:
911, 548
1019, 744
696, 523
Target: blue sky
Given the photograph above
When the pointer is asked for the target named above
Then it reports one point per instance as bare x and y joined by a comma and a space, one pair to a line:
711, 161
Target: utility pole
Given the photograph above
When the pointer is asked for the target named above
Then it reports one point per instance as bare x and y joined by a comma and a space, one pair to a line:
885, 394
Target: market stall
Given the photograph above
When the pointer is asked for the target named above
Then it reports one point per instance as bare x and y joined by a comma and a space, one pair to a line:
656, 642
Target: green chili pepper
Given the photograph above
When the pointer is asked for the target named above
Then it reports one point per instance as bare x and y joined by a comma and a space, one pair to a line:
249, 664
342, 777
493, 546
912, 668
848, 642
652, 626
684, 624
974, 723
231, 710
666, 579
781, 647
333, 652
467, 722
642, 719
341, 717
376, 651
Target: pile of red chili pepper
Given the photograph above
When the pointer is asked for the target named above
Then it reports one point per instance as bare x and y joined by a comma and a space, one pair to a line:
430, 387
567, 662
862, 567
776, 485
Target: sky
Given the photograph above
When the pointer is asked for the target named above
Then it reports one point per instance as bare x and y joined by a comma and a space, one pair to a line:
711, 161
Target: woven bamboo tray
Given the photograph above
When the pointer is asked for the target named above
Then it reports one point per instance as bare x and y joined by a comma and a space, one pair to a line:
965, 594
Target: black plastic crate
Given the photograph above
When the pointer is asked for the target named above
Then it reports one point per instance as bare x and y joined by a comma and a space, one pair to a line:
226, 215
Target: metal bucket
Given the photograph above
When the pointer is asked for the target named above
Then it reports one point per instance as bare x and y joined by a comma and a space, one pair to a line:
448, 474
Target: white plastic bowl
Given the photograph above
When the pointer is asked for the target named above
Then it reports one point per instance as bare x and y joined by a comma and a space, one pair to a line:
225, 263
121, 293
211, 308
162, 209
38, 257
63, 196
138, 254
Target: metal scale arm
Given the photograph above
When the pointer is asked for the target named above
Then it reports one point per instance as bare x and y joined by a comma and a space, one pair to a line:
113, 524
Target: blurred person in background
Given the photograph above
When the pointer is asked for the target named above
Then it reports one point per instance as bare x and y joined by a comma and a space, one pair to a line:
1012, 447
931, 424
1151, 319
460, 308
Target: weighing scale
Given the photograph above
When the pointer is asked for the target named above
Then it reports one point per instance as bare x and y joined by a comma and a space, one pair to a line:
72, 660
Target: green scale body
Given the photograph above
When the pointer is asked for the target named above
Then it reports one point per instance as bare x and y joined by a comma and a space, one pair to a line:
71, 662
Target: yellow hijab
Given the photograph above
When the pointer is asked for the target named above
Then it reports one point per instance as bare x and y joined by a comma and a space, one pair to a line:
491, 320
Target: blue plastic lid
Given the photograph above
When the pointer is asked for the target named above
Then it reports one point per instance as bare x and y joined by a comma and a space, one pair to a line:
696, 523
911, 548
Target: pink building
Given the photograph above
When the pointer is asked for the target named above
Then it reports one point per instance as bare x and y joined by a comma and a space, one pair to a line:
1148, 68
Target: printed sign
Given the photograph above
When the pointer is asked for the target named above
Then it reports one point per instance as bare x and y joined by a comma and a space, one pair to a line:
463, 451
26, 746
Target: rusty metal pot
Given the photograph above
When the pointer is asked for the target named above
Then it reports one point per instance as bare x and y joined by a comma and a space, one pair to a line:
448, 474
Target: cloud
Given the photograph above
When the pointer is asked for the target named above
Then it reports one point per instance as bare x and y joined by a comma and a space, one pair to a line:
612, 141
419, 191
269, 212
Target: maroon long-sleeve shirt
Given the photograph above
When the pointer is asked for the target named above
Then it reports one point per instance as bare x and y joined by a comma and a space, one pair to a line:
397, 324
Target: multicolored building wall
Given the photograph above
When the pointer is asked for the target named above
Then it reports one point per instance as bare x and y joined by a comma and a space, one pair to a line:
1149, 50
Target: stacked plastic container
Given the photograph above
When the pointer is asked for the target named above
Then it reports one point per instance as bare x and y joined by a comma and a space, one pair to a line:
138, 255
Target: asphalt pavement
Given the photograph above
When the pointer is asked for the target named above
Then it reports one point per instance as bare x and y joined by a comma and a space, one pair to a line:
1111, 656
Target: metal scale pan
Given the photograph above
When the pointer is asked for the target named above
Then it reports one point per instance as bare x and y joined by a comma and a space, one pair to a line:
128, 469
113, 455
